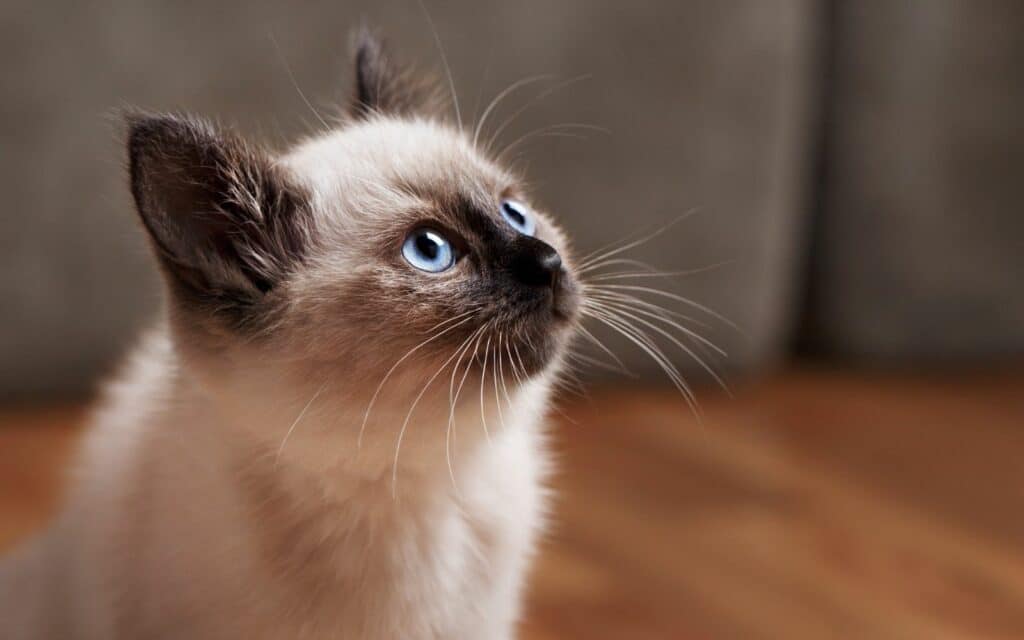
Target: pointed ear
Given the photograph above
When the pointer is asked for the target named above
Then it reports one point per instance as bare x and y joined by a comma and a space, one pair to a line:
224, 221
384, 87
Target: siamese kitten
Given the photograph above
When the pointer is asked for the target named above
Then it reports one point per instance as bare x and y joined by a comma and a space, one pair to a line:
337, 430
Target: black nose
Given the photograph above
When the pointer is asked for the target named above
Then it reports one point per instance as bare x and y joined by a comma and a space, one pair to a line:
534, 263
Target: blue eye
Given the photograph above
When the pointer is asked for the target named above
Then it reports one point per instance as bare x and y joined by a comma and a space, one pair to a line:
427, 250
517, 215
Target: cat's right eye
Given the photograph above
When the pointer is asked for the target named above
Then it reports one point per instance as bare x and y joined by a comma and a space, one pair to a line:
428, 250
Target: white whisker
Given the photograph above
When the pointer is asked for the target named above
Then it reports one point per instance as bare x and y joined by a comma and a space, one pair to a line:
554, 130
590, 336
295, 83
444, 61
452, 319
501, 96
676, 297
586, 261
483, 377
450, 432
658, 274
624, 311
408, 416
504, 384
641, 340
654, 311
544, 94
615, 262
594, 362
373, 399
494, 375
298, 418
452, 401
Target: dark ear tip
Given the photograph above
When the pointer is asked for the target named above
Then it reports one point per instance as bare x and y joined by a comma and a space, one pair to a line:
383, 86
368, 53
140, 124
142, 133
149, 133
144, 130
366, 43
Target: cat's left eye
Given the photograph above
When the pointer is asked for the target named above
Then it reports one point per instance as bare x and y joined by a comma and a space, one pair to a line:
519, 217
428, 250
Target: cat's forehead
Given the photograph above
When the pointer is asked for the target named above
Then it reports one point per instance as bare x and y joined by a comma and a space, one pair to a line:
398, 162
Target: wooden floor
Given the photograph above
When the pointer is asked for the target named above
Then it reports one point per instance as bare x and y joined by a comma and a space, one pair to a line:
813, 505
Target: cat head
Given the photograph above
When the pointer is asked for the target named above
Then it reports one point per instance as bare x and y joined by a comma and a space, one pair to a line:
390, 236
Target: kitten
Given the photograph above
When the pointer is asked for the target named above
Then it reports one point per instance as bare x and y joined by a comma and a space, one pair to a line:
337, 430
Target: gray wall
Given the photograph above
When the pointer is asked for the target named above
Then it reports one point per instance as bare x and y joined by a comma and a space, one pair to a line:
920, 245
856, 164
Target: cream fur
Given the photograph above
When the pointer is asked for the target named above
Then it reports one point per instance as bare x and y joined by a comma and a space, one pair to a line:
157, 542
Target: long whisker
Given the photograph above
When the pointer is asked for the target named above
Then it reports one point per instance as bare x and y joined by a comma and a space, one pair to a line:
642, 341
636, 243
658, 274
452, 400
482, 83
615, 262
496, 369
676, 297
408, 416
373, 399
295, 83
554, 130
501, 96
452, 319
570, 382
700, 343
483, 377
590, 336
597, 254
625, 312
600, 293
654, 311
298, 418
450, 431
444, 61
522, 366
594, 362
512, 369
455, 369
543, 94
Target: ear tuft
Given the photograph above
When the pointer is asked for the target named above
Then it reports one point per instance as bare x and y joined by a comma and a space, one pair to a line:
225, 222
383, 87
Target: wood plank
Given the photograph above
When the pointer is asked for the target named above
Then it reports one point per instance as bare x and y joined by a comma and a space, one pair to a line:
811, 505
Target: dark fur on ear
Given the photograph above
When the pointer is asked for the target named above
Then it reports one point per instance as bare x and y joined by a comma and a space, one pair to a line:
384, 87
226, 224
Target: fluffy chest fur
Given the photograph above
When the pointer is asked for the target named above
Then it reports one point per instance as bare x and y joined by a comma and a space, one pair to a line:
182, 532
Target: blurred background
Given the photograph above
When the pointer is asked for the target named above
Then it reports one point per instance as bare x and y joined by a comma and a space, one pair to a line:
851, 177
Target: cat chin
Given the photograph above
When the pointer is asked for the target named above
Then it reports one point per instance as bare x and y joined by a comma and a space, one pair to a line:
546, 350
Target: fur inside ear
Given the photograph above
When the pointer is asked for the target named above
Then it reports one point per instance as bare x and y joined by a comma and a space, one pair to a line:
225, 223
384, 87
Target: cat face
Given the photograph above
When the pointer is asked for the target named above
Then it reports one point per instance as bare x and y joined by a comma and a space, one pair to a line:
391, 236
417, 229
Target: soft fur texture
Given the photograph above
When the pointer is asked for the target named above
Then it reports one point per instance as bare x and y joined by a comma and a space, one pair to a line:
320, 441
